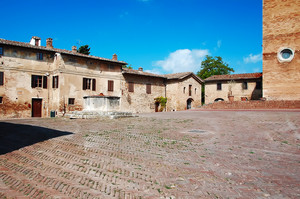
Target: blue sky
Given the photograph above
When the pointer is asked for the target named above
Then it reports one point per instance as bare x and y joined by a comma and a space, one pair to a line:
162, 36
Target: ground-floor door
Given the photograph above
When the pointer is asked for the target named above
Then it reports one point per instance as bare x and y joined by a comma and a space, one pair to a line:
156, 106
36, 108
189, 104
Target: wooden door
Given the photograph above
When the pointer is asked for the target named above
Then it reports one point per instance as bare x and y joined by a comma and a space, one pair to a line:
36, 108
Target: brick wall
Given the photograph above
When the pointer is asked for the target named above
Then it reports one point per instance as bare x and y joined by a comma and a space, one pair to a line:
292, 104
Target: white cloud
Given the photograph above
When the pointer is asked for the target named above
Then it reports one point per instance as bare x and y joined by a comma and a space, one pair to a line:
154, 71
183, 60
253, 58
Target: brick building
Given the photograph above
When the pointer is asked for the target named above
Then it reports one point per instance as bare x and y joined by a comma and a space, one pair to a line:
37, 81
281, 45
246, 86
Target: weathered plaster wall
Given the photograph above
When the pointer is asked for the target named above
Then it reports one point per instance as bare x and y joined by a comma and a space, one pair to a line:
211, 92
18, 65
281, 28
177, 98
139, 101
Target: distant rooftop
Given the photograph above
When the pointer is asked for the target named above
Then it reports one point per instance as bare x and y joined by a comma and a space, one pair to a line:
234, 77
63, 51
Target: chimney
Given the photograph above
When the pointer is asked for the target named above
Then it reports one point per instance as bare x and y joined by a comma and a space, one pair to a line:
35, 41
74, 49
49, 43
115, 57
140, 69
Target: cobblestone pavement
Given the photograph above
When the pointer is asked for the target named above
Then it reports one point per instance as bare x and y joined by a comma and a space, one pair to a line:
190, 154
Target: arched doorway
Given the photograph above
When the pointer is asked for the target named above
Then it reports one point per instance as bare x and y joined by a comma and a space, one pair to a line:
219, 99
156, 106
189, 103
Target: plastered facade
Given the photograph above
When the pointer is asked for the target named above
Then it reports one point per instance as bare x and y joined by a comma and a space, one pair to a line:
281, 29
212, 94
18, 64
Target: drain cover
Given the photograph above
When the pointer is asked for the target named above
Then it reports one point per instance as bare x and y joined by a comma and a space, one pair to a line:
197, 131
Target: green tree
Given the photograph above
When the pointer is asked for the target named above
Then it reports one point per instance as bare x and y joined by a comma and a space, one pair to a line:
213, 66
84, 49
125, 66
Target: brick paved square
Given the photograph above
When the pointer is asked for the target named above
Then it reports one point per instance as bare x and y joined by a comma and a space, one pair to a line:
189, 154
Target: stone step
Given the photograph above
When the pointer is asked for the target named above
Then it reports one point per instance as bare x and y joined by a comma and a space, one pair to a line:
98, 114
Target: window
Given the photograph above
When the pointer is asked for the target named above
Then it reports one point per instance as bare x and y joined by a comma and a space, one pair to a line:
55, 82
245, 85
195, 91
148, 88
111, 67
71, 101
110, 85
258, 85
131, 87
39, 56
219, 86
183, 89
1, 100
190, 90
285, 55
1, 50
88, 84
1, 78
38, 81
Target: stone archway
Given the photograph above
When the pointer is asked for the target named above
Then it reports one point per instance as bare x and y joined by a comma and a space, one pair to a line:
189, 103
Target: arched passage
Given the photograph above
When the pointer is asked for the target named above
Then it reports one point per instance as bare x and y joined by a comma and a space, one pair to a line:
189, 103
219, 99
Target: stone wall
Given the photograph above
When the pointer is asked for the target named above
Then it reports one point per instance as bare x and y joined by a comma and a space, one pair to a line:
178, 94
281, 29
211, 92
139, 101
252, 105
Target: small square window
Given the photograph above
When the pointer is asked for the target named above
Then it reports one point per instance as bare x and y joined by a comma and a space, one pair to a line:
1, 100
219, 86
39, 56
1, 50
245, 85
71, 101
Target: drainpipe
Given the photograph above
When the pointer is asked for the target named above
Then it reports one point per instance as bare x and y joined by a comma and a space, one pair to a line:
165, 83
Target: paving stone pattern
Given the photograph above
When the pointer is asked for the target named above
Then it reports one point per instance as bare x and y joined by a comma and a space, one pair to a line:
189, 154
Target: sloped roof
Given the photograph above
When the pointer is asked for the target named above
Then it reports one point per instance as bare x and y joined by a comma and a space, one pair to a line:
167, 76
182, 76
27, 45
234, 77
139, 72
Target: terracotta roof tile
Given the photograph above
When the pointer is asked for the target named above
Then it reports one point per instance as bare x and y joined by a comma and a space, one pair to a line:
234, 76
27, 45
138, 72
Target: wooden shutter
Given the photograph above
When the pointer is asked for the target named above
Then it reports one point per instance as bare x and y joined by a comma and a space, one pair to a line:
94, 84
33, 77
131, 87
148, 88
45, 78
84, 84
110, 85
1, 78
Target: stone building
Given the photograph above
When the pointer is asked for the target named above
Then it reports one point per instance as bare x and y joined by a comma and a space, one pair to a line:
281, 45
36, 80
39, 81
238, 87
182, 90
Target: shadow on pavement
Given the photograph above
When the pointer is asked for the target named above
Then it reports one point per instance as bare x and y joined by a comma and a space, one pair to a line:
16, 136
